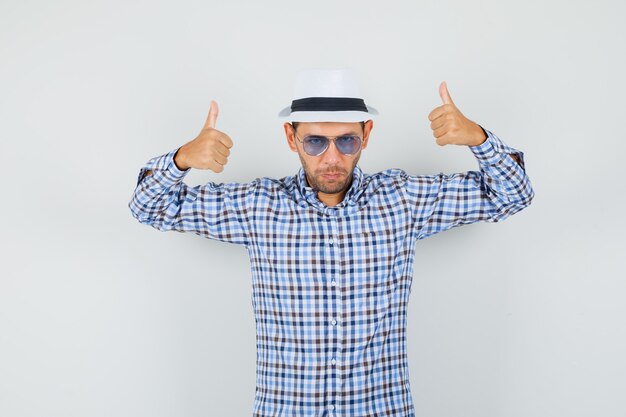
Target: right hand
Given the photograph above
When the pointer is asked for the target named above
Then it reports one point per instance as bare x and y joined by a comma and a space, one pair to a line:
209, 150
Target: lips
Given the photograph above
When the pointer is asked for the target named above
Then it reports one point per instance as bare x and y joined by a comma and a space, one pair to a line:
331, 175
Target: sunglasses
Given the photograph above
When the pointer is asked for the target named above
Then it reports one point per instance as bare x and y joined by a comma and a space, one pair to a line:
315, 145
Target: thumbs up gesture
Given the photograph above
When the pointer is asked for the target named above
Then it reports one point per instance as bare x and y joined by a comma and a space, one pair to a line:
209, 150
450, 126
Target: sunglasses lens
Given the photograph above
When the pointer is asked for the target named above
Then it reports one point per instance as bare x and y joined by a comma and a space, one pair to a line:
348, 144
315, 145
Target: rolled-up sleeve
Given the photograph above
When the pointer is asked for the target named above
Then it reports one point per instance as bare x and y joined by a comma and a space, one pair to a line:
217, 211
497, 190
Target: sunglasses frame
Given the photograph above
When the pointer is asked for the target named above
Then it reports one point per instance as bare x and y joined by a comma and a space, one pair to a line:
330, 139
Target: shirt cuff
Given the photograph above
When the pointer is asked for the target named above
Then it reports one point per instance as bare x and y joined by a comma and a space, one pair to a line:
164, 168
491, 150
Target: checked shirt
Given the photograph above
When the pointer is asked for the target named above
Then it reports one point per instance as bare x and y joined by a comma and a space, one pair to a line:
331, 285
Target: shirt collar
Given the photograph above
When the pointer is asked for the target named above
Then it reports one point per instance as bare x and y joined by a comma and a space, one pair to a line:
306, 194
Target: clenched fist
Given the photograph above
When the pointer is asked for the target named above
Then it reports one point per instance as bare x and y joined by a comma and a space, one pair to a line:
450, 126
209, 150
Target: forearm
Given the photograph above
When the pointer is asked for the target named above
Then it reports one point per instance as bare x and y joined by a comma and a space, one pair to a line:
178, 161
482, 137
504, 175
153, 196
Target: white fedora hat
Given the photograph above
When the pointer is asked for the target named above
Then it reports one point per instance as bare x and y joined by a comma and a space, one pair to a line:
327, 95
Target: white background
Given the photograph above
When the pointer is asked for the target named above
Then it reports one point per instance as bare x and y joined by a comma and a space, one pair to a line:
103, 316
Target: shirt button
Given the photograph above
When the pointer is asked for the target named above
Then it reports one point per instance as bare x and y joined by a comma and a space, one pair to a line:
333, 283
331, 407
330, 241
333, 361
333, 322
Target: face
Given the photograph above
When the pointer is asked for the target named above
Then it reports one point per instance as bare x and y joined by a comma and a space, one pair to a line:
331, 172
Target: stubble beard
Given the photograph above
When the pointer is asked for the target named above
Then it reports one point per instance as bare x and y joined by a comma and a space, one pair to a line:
316, 180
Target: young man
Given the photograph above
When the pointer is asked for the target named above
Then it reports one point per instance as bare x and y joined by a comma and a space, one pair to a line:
332, 247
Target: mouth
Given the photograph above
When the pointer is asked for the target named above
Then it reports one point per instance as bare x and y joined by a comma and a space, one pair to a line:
331, 175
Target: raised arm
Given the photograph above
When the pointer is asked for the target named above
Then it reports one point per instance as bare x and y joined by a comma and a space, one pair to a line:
497, 190
214, 210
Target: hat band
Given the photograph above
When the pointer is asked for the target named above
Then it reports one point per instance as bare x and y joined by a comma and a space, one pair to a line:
328, 104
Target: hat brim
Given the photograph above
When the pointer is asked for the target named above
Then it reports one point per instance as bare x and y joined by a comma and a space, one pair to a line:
327, 116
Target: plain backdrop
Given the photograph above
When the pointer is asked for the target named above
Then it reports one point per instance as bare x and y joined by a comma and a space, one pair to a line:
103, 316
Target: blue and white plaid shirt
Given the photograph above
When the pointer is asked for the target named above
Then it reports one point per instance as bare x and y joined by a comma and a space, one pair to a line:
331, 285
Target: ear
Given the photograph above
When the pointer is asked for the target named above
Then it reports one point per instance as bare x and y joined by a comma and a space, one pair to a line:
291, 139
366, 132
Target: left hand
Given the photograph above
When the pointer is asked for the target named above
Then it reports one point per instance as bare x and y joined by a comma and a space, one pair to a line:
450, 126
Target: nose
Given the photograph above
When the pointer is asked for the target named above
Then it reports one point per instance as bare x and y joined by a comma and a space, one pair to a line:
331, 155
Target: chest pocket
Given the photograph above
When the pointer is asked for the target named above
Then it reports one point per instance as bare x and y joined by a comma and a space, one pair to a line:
374, 245
377, 247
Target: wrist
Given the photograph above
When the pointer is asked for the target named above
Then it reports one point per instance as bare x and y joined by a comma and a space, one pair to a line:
179, 159
481, 135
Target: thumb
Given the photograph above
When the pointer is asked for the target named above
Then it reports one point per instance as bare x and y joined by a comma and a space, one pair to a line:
213, 112
445, 95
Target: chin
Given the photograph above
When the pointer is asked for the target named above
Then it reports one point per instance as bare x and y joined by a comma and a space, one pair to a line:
334, 187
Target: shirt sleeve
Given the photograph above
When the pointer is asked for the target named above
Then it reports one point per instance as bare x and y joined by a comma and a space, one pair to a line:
497, 190
214, 210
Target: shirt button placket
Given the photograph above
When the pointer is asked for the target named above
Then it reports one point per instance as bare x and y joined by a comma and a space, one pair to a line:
335, 254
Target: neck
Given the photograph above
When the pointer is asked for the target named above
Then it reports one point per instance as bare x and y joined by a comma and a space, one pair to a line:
331, 199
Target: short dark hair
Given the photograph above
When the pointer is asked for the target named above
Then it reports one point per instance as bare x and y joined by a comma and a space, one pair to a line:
294, 125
